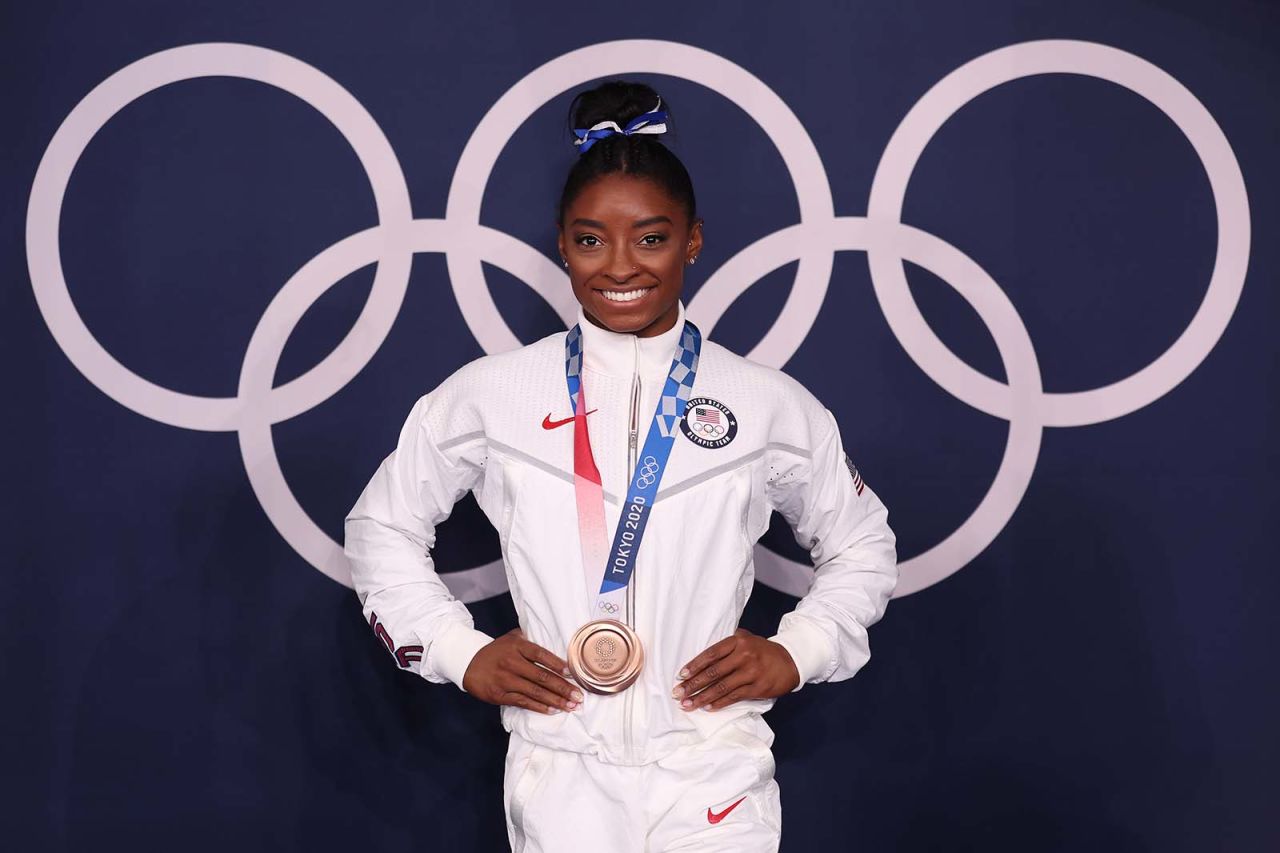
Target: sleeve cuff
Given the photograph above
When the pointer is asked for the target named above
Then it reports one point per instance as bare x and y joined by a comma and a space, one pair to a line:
809, 649
452, 651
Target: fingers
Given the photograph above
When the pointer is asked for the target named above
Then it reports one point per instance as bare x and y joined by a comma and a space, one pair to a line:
730, 698
708, 657
531, 651
536, 675
725, 672
525, 693
567, 696
711, 665
735, 677
514, 671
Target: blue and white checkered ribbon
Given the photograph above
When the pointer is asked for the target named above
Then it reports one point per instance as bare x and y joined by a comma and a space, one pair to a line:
675, 393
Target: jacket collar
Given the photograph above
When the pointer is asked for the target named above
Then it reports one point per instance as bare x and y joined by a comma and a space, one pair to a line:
615, 353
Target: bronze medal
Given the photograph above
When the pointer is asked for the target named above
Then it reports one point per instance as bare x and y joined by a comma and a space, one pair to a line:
605, 656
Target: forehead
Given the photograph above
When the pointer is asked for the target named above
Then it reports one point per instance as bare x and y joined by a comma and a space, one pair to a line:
624, 197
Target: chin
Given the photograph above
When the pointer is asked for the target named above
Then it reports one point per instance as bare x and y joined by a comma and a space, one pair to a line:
627, 317
624, 323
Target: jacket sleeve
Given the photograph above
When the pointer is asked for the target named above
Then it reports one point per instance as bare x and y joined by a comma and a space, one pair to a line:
844, 525
388, 536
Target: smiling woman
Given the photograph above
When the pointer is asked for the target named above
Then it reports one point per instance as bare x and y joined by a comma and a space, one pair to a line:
626, 242
633, 701
627, 218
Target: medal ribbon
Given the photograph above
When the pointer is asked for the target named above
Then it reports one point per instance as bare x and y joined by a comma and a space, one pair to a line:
619, 561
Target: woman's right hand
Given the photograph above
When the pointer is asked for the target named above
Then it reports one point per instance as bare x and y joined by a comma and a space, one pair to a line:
514, 671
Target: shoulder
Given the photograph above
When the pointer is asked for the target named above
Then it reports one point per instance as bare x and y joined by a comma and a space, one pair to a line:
506, 368
764, 389
458, 402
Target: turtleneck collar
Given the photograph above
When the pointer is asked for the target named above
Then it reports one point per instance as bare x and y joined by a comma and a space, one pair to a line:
615, 353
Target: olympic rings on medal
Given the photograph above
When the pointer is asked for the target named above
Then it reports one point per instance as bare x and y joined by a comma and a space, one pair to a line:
812, 242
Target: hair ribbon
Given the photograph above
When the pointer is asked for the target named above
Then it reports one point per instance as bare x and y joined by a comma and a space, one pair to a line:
653, 121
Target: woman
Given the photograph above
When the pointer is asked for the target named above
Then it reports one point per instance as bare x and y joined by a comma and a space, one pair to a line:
633, 705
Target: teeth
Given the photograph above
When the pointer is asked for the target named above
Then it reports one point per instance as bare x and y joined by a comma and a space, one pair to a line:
628, 296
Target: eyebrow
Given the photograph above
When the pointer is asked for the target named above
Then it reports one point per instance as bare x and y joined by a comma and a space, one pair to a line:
639, 223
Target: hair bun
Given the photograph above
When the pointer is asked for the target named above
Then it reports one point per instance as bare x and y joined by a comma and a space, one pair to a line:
619, 101
618, 147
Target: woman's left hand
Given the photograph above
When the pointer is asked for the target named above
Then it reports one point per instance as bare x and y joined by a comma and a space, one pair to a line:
744, 666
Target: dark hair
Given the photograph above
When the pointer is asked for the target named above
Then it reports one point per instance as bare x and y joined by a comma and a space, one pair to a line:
640, 154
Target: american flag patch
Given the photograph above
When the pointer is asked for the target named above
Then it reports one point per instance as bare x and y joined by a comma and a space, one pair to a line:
706, 414
853, 471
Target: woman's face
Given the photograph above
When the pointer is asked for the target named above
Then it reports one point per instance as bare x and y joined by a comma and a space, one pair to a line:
626, 237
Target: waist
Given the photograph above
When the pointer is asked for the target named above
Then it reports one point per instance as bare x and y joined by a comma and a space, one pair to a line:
658, 726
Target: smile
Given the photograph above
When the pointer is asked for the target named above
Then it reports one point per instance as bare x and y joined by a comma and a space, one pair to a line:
625, 295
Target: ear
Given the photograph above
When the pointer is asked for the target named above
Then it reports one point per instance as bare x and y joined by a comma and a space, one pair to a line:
560, 242
695, 239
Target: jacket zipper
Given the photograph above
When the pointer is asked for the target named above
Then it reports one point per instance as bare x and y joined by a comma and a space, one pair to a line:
632, 453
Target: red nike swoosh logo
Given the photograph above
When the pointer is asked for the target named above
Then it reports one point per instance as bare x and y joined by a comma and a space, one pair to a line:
712, 817
547, 423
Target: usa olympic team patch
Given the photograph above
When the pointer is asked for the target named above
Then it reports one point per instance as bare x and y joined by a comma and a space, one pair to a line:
708, 423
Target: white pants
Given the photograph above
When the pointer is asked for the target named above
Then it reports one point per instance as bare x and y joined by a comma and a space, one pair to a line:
715, 795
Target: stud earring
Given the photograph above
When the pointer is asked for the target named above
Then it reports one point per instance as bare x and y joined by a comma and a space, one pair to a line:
566, 261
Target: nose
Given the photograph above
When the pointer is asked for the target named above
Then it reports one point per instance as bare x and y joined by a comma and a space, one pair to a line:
622, 265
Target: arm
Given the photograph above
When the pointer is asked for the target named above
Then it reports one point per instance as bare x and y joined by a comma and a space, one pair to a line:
388, 536
844, 525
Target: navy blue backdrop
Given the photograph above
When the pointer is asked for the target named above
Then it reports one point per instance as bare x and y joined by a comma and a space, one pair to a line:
183, 668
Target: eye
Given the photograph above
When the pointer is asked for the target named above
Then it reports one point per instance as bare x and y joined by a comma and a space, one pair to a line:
581, 241
656, 239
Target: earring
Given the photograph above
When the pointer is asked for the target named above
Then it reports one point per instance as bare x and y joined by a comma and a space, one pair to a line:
694, 259
566, 261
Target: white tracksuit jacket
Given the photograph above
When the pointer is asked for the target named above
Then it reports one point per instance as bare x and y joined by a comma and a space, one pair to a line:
498, 427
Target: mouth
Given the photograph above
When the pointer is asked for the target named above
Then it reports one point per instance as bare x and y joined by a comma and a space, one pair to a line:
633, 294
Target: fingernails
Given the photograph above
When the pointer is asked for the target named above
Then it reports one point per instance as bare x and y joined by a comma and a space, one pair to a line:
573, 706
576, 696
553, 710
566, 671
688, 703
677, 693
684, 673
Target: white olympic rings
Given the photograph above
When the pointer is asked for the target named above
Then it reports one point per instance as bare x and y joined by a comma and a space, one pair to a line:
708, 430
813, 241
648, 473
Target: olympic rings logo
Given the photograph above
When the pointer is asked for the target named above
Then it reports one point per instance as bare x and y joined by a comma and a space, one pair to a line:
466, 243
707, 430
648, 474
607, 606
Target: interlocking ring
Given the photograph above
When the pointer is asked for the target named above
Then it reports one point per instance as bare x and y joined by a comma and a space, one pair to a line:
812, 242
648, 473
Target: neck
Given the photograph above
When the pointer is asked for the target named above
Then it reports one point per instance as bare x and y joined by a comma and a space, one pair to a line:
623, 353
